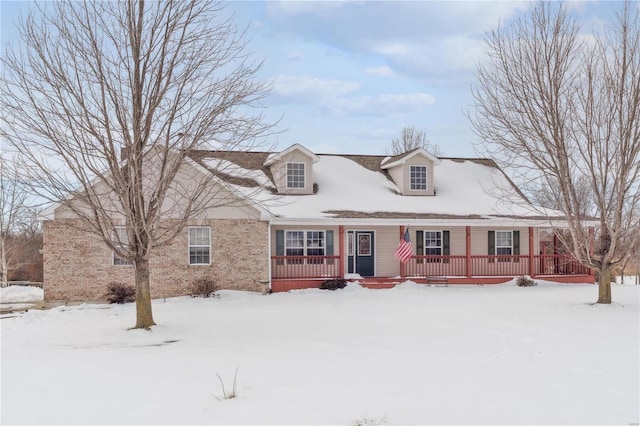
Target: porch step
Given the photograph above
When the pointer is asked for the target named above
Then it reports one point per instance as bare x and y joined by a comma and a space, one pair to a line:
438, 281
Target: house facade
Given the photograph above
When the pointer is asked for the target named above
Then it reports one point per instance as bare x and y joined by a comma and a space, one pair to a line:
301, 218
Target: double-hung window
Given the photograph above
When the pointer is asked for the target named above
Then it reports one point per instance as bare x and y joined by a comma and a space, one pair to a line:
433, 244
418, 178
121, 240
295, 175
199, 245
304, 243
504, 245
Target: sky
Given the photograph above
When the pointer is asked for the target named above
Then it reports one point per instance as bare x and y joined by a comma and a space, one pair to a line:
348, 76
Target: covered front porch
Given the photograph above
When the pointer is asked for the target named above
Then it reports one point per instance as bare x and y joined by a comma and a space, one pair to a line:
289, 272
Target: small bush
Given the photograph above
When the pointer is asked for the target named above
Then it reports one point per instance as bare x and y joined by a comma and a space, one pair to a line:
203, 287
333, 284
120, 293
370, 421
525, 281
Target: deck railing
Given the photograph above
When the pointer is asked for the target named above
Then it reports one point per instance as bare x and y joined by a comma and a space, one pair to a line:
559, 264
499, 266
286, 267
305, 267
421, 266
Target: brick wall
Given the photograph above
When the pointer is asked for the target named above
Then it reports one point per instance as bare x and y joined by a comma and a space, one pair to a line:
78, 266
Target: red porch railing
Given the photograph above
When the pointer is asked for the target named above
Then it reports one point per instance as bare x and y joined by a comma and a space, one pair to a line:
499, 266
283, 267
292, 267
421, 266
559, 264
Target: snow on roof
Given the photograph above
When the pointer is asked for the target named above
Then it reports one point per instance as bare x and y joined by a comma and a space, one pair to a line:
350, 186
295, 147
464, 188
389, 162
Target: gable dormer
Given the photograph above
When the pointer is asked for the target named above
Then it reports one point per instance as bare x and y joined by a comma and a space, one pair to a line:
412, 171
292, 170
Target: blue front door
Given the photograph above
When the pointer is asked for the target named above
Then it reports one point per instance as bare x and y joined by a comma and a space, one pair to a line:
364, 253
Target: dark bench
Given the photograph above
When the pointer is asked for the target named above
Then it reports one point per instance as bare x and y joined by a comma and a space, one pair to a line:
438, 281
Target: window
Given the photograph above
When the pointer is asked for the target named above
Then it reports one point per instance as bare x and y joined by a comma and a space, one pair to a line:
433, 244
199, 245
295, 175
504, 242
121, 239
364, 244
504, 245
418, 178
305, 243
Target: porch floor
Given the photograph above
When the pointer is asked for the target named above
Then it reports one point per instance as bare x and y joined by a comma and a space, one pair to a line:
283, 285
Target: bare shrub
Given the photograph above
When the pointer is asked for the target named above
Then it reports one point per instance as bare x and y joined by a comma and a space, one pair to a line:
334, 284
525, 281
203, 287
120, 293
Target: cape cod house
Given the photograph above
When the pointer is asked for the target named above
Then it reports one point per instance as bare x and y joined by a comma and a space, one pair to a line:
303, 218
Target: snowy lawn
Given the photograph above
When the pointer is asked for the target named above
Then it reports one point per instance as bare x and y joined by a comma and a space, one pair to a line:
20, 297
410, 355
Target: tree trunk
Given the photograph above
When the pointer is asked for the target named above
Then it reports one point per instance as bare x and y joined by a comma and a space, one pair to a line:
143, 295
604, 285
4, 270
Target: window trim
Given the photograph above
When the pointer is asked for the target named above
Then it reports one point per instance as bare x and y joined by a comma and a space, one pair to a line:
504, 257
350, 243
189, 245
305, 247
115, 260
304, 175
424, 242
411, 177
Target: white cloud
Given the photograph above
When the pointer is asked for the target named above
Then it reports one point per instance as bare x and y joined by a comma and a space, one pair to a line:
381, 105
294, 56
398, 31
338, 97
383, 71
440, 56
310, 89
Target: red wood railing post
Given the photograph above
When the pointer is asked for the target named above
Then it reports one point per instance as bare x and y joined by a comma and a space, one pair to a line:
341, 250
468, 252
402, 271
532, 271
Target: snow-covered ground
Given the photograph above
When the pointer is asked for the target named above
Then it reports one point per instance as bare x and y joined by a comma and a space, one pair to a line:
20, 297
410, 355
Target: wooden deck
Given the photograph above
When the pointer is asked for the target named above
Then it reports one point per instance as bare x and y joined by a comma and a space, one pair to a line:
283, 285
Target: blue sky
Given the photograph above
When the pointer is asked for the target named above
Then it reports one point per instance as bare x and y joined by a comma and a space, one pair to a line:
348, 76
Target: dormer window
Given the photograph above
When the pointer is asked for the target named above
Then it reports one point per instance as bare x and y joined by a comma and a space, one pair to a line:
418, 178
295, 175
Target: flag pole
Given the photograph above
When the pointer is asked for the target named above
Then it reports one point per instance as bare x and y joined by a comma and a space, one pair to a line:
402, 269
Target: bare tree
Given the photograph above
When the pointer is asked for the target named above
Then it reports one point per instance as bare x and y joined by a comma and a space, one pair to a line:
13, 204
410, 139
558, 110
152, 81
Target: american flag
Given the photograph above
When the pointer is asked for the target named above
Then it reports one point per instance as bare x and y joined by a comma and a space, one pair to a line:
404, 250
